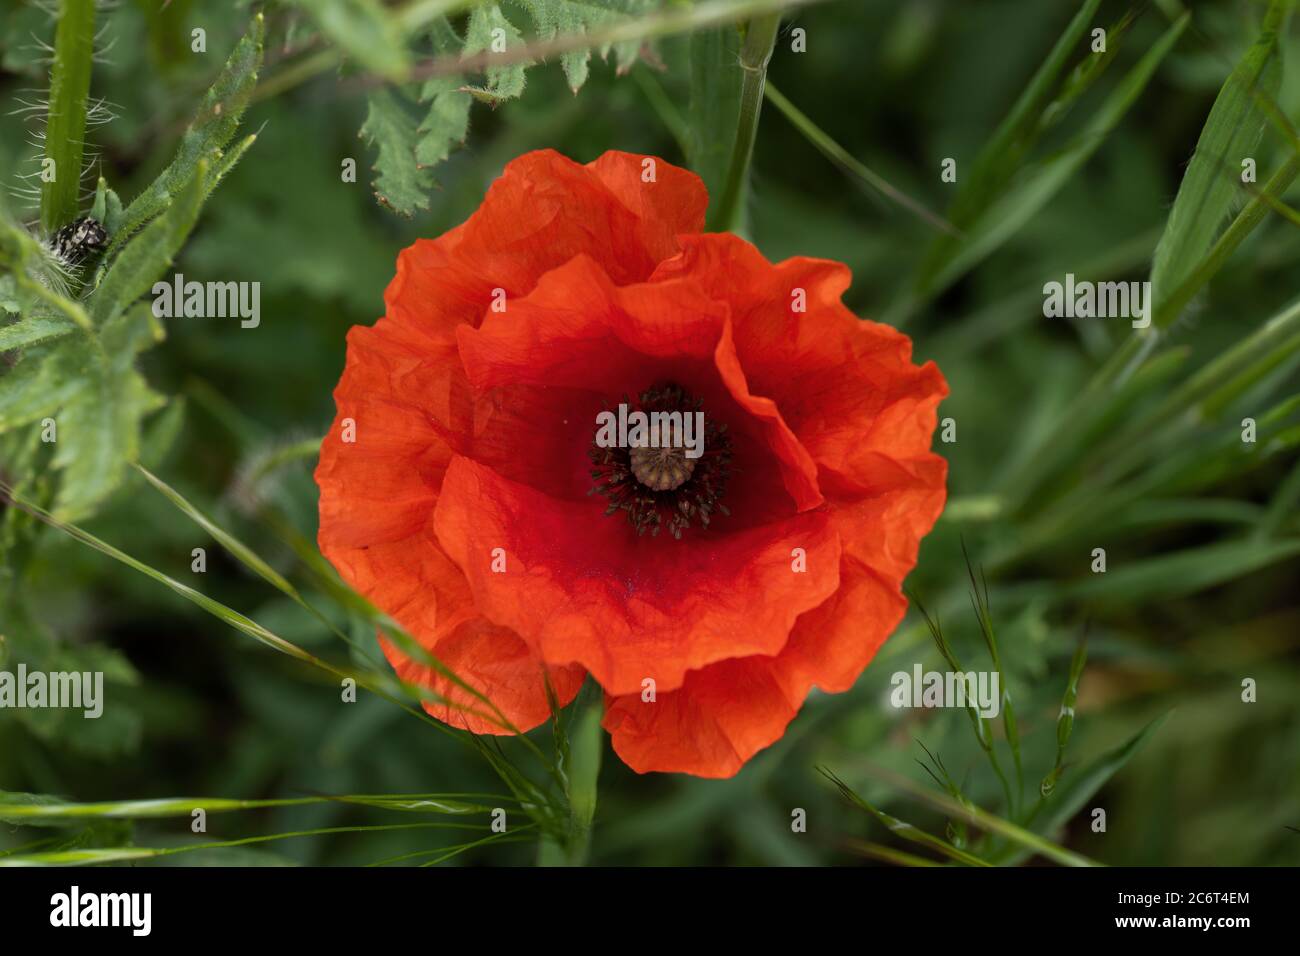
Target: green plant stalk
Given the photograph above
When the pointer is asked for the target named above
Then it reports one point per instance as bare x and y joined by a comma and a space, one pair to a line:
581, 772
578, 748
525, 791
755, 53
986, 821
65, 132
119, 854
1243, 225
889, 854
39, 813
845, 160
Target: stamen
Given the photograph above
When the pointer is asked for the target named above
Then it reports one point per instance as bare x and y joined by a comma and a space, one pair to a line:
658, 485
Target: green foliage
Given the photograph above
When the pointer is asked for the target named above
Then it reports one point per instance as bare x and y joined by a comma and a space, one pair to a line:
999, 205
408, 149
489, 31
366, 31
447, 123
391, 125
714, 103
84, 388
65, 130
1212, 184
213, 127
1070, 435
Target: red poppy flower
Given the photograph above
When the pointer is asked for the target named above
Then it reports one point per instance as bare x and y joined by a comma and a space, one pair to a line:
469, 497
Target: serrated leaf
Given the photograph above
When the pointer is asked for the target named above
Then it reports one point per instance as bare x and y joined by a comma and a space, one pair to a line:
402, 184
569, 17
447, 123
87, 383
212, 128
489, 30
365, 31
99, 428
38, 386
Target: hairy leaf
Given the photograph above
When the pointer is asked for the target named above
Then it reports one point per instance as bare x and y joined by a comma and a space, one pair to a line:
390, 125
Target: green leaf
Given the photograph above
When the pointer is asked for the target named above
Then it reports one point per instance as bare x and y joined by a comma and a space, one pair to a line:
1035, 188
402, 184
569, 17
99, 427
489, 30
65, 131
90, 388
32, 331
447, 123
46, 378
902, 830
225, 162
212, 128
1079, 787
714, 109
145, 256
365, 30
88, 383
1182, 572
1212, 183
1005, 151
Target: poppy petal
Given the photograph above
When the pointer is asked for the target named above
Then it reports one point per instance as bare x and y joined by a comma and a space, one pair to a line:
582, 588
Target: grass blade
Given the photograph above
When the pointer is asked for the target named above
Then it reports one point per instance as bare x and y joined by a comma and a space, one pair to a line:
1211, 184
846, 161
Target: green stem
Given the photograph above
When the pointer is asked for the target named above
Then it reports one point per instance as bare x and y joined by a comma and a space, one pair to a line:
760, 38
582, 770
842, 158
65, 131
580, 752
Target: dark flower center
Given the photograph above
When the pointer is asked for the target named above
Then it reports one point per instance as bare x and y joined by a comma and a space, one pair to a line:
661, 461
661, 469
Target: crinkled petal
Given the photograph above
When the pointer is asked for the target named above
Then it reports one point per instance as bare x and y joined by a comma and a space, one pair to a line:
378, 493
579, 331
544, 210
725, 713
582, 588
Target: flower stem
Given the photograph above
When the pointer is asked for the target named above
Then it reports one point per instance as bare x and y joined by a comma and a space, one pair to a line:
65, 132
760, 38
579, 743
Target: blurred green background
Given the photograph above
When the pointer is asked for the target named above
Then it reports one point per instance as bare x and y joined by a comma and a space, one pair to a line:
1200, 529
